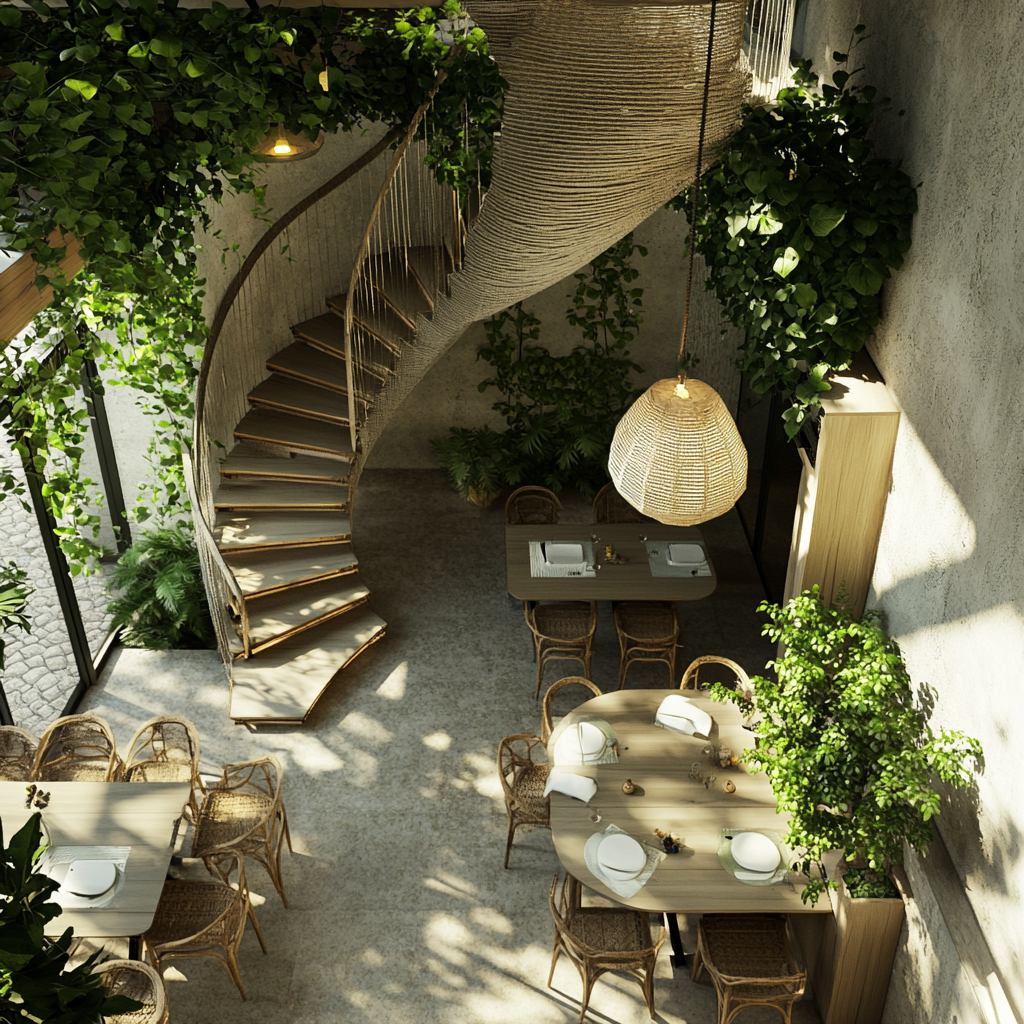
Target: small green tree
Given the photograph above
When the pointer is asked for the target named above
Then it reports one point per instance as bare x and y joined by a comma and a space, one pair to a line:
35, 985
847, 748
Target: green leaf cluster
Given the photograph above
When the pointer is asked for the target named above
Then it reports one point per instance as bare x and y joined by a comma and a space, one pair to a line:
13, 596
35, 985
800, 224
560, 411
161, 601
844, 741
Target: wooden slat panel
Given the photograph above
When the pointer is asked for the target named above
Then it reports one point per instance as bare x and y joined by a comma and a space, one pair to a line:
20, 299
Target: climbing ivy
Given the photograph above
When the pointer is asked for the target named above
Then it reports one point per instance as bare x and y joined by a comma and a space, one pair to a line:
800, 224
120, 122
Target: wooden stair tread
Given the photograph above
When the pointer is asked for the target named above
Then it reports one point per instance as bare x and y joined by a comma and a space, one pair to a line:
290, 431
250, 530
246, 461
431, 265
400, 290
283, 613
282, 683
265, 570
301, 362
301, 399
283, 494
385, 327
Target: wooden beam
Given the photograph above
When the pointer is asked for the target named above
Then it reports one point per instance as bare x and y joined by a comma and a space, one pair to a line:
20, 299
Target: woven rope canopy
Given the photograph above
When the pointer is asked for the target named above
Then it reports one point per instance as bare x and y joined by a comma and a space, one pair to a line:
678, 459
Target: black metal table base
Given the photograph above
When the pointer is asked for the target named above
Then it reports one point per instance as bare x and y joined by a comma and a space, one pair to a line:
675, 940
134, 947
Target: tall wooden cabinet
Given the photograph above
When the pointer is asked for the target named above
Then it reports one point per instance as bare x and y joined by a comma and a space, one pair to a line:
847, 464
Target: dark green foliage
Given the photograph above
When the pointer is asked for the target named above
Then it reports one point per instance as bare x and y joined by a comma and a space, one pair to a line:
800, 225
475, 460
560, 411
34, 985
161, 602
844, 741
863, 883
13, 595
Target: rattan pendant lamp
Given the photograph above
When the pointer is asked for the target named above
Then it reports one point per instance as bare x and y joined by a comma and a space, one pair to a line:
676, 455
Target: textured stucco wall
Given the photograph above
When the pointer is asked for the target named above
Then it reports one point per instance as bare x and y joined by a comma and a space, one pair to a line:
448, 395
949, 574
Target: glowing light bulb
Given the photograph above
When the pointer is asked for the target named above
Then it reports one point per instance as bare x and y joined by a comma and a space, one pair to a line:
323, 80
281, 148
681, 391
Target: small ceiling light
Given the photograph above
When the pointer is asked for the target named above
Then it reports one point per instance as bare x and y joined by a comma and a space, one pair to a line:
282, 145
676, 454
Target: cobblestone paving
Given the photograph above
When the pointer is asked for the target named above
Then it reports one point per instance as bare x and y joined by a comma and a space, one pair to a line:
41, 674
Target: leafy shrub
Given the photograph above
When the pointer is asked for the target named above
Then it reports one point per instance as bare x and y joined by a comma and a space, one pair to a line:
161, 602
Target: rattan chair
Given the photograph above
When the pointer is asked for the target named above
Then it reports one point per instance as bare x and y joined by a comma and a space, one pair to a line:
204, 918
166, 749
612, 507
602, 939
648, 631
740, 682
78, 748
546, 721
750, 961
532, 506
523, 781
17, 754
244, 813
562, 632
138, 981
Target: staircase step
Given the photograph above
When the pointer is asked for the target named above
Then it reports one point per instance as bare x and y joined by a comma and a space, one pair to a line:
282, 494
301, 399
250, 531
277, 616
247, 461
265, 571
431, 265
294, 432
300, 362
384, 326
282, 684
399, 289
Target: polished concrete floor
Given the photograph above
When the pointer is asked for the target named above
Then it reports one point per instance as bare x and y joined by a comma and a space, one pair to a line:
400, 909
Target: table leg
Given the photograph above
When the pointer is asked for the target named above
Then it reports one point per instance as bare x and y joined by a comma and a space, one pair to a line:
678, 957
134, 947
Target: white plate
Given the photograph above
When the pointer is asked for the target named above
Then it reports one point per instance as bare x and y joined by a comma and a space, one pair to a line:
89, 878
686, 554
621, 856
755, 852
563, 554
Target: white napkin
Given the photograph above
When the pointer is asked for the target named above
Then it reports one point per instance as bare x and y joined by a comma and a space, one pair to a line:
579, 786
678, 713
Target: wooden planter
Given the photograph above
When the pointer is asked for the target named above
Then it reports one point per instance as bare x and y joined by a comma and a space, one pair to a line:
849, 956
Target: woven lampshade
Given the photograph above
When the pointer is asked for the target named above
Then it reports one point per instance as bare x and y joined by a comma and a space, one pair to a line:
283, 146
679, 459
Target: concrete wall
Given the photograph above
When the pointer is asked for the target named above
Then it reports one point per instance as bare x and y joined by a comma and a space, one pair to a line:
949, 575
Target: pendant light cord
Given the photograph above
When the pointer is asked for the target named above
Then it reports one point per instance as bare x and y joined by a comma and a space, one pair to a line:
696, 184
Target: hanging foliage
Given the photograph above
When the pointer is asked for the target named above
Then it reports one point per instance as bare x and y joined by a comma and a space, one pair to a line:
800, 225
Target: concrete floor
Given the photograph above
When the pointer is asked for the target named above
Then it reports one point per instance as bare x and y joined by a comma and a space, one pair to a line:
400, 908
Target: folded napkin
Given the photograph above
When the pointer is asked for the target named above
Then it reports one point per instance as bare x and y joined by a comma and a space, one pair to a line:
678, 713
579, 786
563, 750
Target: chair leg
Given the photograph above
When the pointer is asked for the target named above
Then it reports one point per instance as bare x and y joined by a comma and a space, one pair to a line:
256, 927
287, 831
648, 987
623, 666
556, 953
508, 842
588, 987
236, 977
274, 864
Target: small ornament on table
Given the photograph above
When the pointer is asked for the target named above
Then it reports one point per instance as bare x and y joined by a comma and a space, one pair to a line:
730, 786
628, 787
671, 841
725, 758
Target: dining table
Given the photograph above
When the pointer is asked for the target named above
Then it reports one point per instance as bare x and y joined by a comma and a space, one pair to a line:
679, 787
136, 822
642, 575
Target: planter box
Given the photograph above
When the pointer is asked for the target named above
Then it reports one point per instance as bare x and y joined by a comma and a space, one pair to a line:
849, 955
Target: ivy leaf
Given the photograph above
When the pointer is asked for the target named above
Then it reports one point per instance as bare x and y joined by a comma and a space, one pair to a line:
823, 219
10, 17
865, 278
166, 46
805, 295
89, 181
737, 222
116, 32
195, 67
756, 181
80, 143
865, 226
72, 124
85, 89
787, 262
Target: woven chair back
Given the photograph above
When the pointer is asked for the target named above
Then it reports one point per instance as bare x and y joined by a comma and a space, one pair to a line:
515, 755
261, 779
612, 507
532, 505
691, 677
226, 929
77, 747
546, 725
17, 754
138, 981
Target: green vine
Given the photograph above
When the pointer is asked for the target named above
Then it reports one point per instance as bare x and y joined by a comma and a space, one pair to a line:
800, 224
119, 123
560, 411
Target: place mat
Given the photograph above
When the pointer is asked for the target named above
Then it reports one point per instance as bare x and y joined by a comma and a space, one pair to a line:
742, 874
607, 756
625, 888
657, 558
56, 861
539, 567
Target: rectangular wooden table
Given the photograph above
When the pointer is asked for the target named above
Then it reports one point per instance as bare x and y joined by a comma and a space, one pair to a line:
629, 582
142, 815
658, 762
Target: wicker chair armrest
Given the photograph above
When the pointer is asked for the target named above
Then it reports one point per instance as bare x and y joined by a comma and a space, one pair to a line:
733, 980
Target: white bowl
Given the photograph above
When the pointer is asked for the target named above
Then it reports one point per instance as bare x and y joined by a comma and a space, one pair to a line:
755, 852
621, 856
89, 878
686, 554
563, 554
